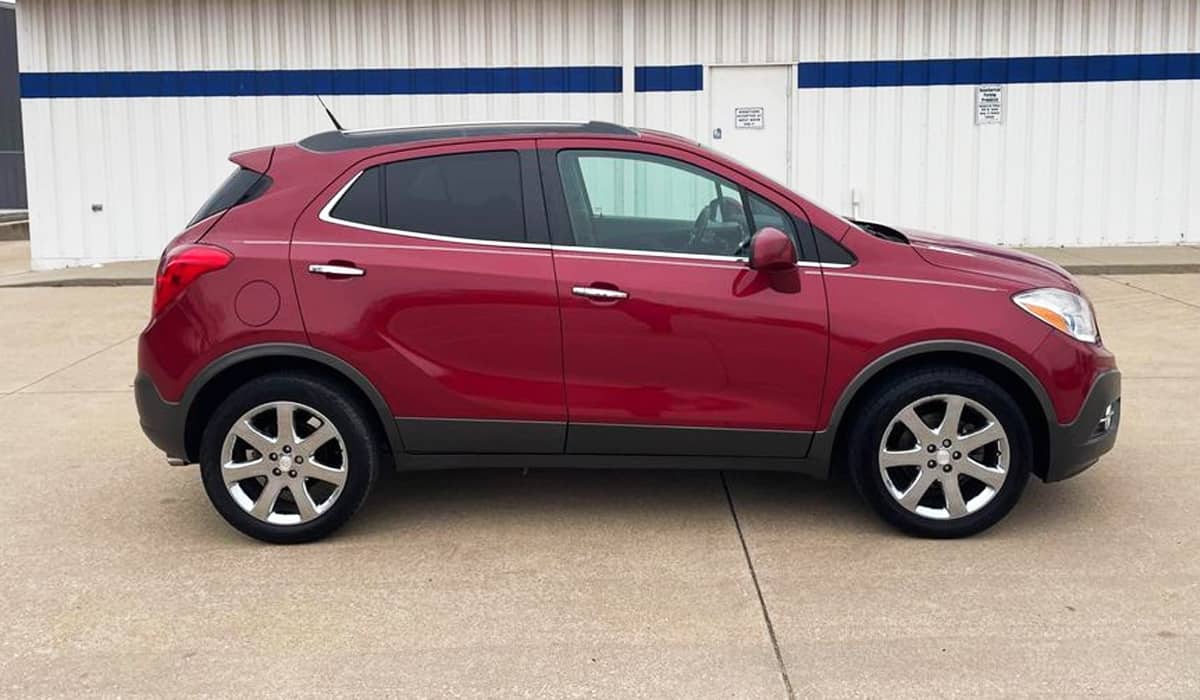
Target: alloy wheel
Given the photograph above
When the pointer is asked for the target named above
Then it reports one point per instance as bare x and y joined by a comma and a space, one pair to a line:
944, 457
284, 463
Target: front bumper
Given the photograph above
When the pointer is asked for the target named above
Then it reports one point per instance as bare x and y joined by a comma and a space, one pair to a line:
162, 421
1076, 446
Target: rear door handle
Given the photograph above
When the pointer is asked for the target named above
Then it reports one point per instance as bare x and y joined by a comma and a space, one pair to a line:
599, 293
337, 270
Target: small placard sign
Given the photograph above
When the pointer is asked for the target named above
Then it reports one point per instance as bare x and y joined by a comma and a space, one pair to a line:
989, 104
748, 117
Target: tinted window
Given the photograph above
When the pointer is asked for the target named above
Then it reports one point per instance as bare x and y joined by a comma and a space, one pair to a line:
362, 203
641, 202
467, 195
766, 214
830, 251
240, 187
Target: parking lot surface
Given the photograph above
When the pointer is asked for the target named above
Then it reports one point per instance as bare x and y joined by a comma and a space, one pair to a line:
118, 577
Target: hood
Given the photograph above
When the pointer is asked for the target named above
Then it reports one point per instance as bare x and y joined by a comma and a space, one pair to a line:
987, 259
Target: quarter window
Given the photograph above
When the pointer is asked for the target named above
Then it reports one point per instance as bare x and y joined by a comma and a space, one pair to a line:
362, 203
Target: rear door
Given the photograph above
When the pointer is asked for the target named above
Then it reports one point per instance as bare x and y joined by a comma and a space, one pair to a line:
430, 272
672, 346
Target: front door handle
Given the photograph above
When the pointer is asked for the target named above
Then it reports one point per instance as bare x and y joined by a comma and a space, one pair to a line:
337, 270
599, 293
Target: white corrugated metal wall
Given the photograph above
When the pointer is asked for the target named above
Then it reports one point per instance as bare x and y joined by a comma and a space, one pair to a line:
1074, 163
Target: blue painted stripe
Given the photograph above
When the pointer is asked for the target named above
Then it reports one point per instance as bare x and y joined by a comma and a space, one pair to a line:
600, 79
366, 81
668, 78
975, 71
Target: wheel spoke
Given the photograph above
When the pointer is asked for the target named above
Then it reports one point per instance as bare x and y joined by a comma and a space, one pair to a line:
285, 413
955, 504
265, 504
304, 502
247, 432
923, 433
318, 438
952, 417
234, 472
912, 495
901, 458
988, 475
989, 434
329, 475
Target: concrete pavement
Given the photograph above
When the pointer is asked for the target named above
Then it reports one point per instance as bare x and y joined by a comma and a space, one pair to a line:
119, 578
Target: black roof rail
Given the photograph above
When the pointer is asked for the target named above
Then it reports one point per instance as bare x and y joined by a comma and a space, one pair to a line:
328, 141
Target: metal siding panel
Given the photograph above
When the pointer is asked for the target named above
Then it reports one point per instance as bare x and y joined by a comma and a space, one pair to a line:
151, 161
1082, 163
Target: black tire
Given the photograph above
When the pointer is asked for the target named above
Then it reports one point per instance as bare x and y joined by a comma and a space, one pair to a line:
330, 399
897, 392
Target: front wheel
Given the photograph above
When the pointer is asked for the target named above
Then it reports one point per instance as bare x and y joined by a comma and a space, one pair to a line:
941, 452
288, 458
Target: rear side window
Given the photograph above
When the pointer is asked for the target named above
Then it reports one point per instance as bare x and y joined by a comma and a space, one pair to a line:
242, 186
466, 195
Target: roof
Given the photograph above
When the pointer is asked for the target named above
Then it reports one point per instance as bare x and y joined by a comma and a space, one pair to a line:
328, 141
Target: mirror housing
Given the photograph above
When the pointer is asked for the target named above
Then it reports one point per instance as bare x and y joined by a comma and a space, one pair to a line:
771, 250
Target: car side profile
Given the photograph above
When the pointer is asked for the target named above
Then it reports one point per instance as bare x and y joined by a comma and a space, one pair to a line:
591, 295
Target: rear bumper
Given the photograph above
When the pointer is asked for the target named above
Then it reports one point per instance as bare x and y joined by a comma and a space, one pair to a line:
162, 421
1076, 446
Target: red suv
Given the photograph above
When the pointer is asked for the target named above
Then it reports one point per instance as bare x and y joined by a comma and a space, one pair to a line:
589, 295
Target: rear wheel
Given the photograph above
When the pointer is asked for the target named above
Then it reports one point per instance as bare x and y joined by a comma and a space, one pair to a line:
288, 458
941, 452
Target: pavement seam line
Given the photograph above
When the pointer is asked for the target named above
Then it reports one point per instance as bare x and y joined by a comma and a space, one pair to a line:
762, 603
76, 362
1168, 297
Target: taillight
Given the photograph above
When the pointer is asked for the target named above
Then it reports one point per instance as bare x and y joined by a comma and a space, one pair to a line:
181, 266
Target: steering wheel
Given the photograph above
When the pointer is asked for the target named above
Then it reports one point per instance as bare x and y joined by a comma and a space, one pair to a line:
730, 209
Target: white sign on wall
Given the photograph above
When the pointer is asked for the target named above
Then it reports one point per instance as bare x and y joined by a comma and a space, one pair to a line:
989, 104
748, 117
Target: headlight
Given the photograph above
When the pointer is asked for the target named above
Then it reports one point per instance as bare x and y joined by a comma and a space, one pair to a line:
1069, 313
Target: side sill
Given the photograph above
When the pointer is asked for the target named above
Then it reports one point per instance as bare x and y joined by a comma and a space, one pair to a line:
616, 439
413, 462
471, 436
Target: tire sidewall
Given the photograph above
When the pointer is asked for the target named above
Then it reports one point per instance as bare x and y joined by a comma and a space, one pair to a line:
348, 417
877, 417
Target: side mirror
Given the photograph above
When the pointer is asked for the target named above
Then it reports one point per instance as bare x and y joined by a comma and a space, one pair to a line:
771, 250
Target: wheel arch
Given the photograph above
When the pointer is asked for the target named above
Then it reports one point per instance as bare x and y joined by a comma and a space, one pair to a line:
1002, 368
212, 383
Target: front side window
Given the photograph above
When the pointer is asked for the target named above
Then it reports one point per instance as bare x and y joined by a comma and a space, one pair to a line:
463, 195
635, 201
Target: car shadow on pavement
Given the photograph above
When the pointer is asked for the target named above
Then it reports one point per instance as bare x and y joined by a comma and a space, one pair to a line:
624, 498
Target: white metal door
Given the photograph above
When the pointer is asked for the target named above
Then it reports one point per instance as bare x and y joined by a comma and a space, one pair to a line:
750, 118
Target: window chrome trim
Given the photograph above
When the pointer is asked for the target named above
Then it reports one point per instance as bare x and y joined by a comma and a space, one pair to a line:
328, 218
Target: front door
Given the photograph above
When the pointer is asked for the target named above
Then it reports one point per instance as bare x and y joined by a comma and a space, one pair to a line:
749, 116
671, 344
430, 272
